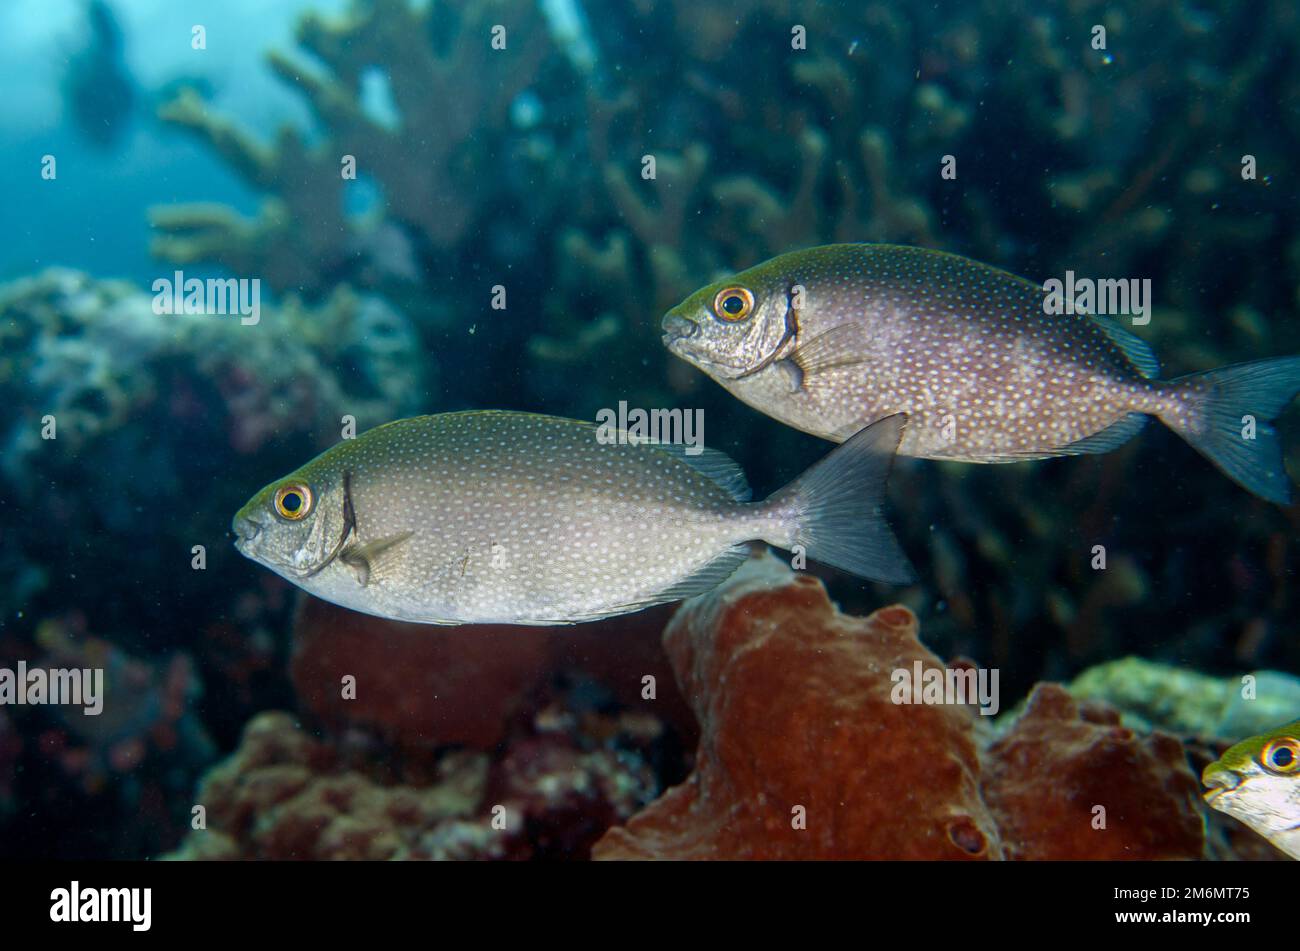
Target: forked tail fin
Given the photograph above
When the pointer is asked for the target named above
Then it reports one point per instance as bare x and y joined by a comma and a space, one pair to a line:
1239, 405
836, 506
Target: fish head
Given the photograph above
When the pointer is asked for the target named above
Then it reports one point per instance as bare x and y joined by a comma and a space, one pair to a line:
1258, 781
734, 327
295, 525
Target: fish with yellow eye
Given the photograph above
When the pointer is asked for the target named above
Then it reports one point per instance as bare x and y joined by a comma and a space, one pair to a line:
983, 365
1257, 781
515, 518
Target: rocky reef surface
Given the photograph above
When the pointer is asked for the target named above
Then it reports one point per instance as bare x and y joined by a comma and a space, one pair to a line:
801, 750
828, 765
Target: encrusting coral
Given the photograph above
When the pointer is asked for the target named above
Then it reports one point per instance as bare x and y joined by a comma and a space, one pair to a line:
287, 795
805, 754
96, 354
1187, 703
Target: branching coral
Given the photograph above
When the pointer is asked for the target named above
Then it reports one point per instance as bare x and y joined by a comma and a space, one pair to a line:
430, 160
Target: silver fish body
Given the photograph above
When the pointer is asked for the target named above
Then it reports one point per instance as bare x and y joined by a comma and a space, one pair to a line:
830, 339
517, 518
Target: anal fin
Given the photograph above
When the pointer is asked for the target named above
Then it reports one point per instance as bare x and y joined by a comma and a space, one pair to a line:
708, 577
1112, 437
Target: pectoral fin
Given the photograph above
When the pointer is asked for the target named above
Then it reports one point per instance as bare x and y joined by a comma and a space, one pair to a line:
837, 347
369, 560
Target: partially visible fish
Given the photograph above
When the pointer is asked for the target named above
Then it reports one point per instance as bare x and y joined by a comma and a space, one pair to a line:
1258, 782
513, 518
831, 339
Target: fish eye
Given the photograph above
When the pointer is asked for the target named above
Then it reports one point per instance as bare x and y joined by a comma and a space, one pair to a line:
1282, 756
733, 303
293, 501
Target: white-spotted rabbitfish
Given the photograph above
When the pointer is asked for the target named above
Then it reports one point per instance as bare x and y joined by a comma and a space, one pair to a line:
1258, 782
831, 339
522, 519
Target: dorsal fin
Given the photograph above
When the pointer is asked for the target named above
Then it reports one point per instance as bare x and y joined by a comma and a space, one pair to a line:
1134, 348
718, 467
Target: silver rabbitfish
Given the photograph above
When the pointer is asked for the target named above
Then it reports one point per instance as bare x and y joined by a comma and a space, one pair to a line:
1257, 782
522, 519
831, 339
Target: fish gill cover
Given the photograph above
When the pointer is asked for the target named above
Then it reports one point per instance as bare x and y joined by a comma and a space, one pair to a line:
240, 239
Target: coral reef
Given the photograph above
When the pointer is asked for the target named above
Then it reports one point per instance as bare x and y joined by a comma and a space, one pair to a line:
805, 754
286, 795
440, 96
190, 398
525, 167
146, 709
800, 766
96, 355
1069, 782
482, 741
1191, 704
139, 755
159, 423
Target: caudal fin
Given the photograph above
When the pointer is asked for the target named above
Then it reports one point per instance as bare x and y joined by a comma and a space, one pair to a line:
1240, 403
835, 506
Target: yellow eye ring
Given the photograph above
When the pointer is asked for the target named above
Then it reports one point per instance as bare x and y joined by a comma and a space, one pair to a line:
293, 501
733, 304
1281, 756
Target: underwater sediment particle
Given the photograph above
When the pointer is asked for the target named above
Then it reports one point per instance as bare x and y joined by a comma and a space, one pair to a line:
798, 729
1068, 781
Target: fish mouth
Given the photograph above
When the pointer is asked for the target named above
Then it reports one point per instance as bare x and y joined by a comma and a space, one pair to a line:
678, 328
246, 530
1220, 782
